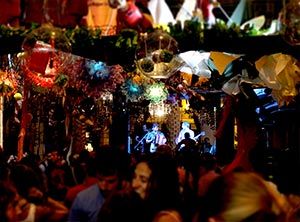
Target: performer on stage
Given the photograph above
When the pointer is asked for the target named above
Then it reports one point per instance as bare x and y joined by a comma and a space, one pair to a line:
187, 144
155, 138
141, 145
185, 129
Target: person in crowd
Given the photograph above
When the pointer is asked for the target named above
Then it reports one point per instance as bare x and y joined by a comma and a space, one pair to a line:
205, 146
36, 204
154, 194
63, 13
244, 196
109, 172
155, 138
85, 173
9, 203
58, 174
187, 144
157, 183
185, 151
185, 128
207, 171
123, 205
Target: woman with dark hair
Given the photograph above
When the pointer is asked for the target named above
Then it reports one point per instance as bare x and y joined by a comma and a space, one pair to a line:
156, 180
154, 194
36, 205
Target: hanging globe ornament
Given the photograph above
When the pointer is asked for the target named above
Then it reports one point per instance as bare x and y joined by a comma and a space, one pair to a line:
290, 22
157, 55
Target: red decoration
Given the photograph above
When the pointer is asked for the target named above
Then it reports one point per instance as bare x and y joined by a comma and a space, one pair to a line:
41, 64
132, 17
39, 57
10, 12
38, 80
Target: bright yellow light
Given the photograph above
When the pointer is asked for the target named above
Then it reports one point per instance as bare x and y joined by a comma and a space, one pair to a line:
156, 91
160, 112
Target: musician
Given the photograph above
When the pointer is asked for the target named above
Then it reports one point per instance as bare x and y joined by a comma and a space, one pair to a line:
187, 144
206, 146
155, 138
185, 129
141, 145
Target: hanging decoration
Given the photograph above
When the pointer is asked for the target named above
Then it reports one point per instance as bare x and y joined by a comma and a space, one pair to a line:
61, 80
290, 16
156, 92
280, 73
196, 63
133, 91
157, 55
8, 82
104, 109
97, 70
41, 59
91, 77
159, 110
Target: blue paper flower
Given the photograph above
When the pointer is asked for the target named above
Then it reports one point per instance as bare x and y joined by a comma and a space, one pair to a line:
97, 70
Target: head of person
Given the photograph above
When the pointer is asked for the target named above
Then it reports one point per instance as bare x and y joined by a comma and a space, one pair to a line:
122, 205
145, 128
185, 125
155, 127
187, 135
9, 203
141, 177
206, 140
207, 162
243, 197
109, 170
26, 180
156, 180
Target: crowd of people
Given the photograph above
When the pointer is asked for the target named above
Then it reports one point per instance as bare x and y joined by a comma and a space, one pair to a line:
110, 184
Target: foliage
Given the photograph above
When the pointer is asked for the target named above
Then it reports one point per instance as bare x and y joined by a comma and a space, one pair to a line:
83, 37
88, 41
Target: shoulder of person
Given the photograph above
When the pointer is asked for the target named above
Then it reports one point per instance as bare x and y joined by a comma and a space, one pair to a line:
86, 193
168, 215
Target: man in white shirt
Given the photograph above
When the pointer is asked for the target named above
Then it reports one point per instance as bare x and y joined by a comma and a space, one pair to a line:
185, 129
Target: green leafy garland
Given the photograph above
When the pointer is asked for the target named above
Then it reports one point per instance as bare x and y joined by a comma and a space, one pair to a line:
192, 36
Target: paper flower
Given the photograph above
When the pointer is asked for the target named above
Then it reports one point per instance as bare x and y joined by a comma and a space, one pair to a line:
96, 70
133, 91
156, 92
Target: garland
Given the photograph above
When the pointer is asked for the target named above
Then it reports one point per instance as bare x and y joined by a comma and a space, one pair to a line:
194, 32
38, 80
